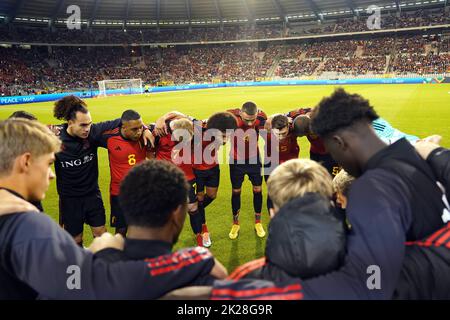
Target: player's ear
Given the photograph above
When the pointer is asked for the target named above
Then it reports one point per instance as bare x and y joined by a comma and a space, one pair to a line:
272, 212
23, 162
179, 215
338, 142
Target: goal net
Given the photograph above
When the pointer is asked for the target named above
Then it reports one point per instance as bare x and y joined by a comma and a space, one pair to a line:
120, 86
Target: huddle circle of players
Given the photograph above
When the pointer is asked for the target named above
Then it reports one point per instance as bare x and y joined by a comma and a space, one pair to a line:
129, 141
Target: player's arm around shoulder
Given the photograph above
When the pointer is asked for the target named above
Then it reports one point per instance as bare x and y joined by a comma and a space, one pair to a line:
102, 130
438, 158
161, 124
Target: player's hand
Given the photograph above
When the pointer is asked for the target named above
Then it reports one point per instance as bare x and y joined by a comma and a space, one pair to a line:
55, 129
268, 124
219, 271
107, 240
436, 139
161, 127
148, 138
424, 147
10, 203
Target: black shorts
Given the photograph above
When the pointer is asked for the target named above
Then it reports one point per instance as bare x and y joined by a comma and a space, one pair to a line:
192, 194
117, 219
207, 178
238, 172
74, 212
326, 161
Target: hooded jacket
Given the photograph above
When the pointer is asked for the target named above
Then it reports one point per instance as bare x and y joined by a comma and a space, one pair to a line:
306, 239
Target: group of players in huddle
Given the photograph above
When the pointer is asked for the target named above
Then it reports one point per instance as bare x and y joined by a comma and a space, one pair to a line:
130, 141
396, 214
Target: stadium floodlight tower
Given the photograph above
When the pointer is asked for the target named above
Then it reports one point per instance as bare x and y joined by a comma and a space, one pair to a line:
120, 86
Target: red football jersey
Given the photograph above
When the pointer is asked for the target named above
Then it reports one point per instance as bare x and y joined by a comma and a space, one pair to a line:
248, 151
123, 155
317, 145
208, 151
165, 151
287, 148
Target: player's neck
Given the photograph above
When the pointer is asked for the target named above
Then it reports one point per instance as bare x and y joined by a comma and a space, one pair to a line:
14, 184
370, 146
69, 132
142, 233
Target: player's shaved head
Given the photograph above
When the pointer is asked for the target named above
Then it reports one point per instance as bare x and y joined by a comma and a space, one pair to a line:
249, 108
302, 125
130, 115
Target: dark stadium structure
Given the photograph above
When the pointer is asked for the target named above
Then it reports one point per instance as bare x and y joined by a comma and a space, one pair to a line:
196, 41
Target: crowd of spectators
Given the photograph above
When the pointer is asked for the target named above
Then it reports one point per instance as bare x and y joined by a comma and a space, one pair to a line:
355, 66
133, 34
332, 49
55, 69
295, 68
422, 64
378, 47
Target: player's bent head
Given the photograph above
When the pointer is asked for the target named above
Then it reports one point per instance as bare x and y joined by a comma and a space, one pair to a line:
249, 113
339, 111
132, 125
342, 120
22, 115
302, 126
222, 121
341, 187
27, 151
280, 126
154, 195
225, 122
74, 110
182, 130
249, 108
295, 178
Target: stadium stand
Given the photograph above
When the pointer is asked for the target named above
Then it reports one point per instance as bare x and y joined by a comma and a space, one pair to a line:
62, 66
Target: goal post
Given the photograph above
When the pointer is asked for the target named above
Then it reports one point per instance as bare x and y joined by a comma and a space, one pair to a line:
119, 86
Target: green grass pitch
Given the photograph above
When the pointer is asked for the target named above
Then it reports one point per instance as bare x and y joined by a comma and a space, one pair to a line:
416, 109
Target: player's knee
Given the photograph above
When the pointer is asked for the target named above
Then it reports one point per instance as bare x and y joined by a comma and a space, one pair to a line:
201, 196
78, 238
98, 231
212, 194
236, 191
257, 189
192, 208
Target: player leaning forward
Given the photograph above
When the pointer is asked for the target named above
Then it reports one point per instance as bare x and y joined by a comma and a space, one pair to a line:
76, 168
246, 160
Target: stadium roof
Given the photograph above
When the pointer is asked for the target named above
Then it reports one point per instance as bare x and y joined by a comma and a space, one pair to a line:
194, 10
